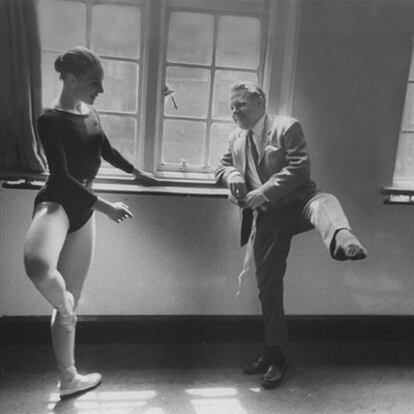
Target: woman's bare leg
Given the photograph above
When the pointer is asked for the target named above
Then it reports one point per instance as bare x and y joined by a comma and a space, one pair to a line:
73, 265
57, 263
43, 244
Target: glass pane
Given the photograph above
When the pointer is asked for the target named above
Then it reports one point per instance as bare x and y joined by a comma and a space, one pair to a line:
62, 24
192, 88
124, 37
51, 84
411, 76
404, 166
408, 117
222, 82
190, 38
121, 87
183, 140
238, 42
121, 132
219, 138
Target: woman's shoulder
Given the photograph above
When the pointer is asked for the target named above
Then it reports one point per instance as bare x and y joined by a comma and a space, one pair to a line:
48, 114
47, 111
50, 120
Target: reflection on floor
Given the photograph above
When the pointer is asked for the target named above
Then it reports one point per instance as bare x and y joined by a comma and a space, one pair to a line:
324, 378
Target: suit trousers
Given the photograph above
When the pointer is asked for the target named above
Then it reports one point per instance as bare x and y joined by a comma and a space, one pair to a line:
274, 232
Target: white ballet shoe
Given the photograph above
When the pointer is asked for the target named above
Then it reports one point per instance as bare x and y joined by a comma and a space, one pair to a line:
79, 383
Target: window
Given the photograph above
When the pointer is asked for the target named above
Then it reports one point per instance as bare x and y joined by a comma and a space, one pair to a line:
197, 48
114, 31
404, 166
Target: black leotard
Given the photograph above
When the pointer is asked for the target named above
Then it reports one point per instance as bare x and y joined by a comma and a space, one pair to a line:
74, 145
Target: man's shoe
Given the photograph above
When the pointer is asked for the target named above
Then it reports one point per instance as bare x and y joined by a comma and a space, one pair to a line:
256, 366
79, 384
274, 376
348, 247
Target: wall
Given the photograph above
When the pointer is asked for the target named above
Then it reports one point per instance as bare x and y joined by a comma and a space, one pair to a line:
180, 255
353, 60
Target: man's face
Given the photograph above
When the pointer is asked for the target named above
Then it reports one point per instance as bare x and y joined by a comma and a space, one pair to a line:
246, 111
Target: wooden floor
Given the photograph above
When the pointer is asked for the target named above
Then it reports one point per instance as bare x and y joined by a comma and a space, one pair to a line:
154, 378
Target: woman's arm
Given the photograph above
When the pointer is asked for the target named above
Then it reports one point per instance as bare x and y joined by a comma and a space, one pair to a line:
110, 154
115, 211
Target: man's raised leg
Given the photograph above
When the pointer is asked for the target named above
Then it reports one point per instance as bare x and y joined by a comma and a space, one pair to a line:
325, 213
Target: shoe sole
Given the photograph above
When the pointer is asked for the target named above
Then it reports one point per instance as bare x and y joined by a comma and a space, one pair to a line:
71, 393
272, 386
275, 384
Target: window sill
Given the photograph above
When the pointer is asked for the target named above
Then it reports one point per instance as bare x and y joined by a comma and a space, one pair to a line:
125, 185
398, 195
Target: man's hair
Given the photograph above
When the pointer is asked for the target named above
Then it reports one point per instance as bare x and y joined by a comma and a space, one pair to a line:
251, 89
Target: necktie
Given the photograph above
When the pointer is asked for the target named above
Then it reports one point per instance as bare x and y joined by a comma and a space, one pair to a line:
247, 213
246, 225
252, 146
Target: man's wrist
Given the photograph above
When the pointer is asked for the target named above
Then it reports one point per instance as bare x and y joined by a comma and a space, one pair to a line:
234, 174
264, 196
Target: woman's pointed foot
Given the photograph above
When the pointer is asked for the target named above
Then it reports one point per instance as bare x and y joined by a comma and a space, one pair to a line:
79, 384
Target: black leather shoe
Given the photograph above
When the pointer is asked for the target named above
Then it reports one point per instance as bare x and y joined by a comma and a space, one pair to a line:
274, 375
256, 366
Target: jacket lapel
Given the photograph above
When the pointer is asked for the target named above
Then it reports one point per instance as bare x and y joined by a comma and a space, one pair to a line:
267, 135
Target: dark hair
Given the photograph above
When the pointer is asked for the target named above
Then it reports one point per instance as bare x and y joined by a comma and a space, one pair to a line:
77, 61
250, 88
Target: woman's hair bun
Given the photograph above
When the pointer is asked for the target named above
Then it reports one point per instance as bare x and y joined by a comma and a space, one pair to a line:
59, 64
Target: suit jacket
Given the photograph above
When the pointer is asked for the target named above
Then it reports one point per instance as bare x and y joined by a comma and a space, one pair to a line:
284, 166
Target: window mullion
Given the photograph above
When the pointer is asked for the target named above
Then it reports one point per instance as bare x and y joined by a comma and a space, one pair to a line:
154, 74
88, 24
210, 103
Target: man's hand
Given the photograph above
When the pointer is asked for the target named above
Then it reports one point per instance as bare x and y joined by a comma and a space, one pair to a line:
237, 187
255, 199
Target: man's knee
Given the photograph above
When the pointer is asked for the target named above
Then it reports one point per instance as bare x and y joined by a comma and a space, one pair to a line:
324, 209
322, 199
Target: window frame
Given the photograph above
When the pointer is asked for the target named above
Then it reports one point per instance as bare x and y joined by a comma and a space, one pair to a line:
401, 181
176, 171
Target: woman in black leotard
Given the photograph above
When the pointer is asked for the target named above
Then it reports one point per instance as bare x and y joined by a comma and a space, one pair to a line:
59, 244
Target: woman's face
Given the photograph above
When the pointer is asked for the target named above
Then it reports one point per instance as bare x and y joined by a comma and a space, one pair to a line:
89, 85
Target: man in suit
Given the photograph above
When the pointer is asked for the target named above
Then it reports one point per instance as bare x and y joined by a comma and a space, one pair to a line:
267, 170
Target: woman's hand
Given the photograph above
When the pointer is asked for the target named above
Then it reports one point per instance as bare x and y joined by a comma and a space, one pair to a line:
117, 211
144, 178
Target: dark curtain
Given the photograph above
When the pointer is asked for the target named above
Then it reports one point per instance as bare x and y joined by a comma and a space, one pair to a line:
20, 87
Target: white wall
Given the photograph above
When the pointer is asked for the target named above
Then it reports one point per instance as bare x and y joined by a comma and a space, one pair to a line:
179, 255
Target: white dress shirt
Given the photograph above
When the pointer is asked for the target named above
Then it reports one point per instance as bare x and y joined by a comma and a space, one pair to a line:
252, 176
